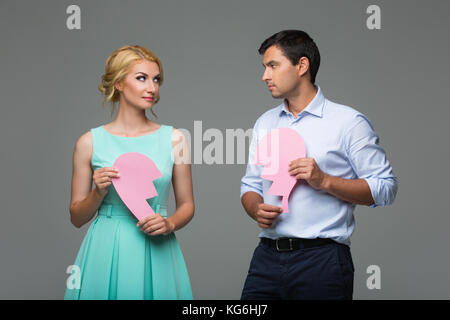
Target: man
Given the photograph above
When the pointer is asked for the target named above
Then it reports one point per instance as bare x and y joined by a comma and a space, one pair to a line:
304, 253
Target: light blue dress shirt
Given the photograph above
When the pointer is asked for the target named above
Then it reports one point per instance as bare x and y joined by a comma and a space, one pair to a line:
343, 143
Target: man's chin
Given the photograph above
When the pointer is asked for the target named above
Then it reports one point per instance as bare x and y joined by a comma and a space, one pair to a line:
277, 96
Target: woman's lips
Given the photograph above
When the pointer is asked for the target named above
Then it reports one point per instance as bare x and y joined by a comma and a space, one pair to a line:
148, 98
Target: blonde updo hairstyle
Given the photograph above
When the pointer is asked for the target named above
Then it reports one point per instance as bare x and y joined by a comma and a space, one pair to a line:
116, 68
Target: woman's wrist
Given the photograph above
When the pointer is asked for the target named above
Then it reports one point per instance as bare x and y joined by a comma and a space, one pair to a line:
170, 225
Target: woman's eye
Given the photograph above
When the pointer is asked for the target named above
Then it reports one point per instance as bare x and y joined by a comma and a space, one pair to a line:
141, 77
156, 80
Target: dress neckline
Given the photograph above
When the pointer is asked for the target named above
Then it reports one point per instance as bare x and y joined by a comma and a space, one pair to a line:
145, 135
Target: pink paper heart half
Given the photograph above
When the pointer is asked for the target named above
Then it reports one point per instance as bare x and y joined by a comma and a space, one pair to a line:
274, 152
135, 184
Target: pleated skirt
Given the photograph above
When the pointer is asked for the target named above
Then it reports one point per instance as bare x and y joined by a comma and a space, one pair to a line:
117, 261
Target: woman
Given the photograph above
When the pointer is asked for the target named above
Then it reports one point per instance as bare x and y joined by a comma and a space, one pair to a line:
121, 257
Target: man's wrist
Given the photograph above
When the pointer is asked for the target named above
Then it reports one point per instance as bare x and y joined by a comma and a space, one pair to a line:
255, 208
251, 200
326, 182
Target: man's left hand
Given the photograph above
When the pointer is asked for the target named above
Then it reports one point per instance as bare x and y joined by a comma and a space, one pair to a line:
307, 169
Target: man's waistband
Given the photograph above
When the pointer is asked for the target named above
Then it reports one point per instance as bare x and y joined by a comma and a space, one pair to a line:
291, 244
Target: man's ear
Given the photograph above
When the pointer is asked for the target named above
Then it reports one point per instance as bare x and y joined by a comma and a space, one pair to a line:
302, 66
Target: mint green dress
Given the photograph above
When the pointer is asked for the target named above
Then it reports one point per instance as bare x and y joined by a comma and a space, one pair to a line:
116, 260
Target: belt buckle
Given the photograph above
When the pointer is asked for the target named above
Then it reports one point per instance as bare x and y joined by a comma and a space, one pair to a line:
283, 250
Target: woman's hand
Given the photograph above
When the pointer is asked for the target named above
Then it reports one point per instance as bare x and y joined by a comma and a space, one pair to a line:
103, 179
155, 224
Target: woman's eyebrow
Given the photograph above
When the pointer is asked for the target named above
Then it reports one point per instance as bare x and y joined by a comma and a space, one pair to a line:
158, 75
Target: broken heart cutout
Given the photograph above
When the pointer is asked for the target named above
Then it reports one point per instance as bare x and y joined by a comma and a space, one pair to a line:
274, 152
135, 184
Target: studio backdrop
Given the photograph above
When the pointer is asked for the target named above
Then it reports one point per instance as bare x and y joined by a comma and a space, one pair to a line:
387, 59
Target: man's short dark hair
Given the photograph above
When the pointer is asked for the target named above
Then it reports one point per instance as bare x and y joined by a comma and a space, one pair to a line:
295, 44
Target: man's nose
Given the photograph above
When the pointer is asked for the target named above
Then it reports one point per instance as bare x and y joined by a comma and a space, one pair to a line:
265, 76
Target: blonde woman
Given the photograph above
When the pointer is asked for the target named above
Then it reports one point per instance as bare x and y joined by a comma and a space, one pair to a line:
121, 257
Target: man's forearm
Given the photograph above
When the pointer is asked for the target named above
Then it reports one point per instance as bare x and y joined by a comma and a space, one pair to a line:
250, 201
355, 191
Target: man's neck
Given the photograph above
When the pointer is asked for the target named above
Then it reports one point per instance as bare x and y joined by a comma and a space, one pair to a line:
297, 103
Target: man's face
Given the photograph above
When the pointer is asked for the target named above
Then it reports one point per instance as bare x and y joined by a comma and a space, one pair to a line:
280, 75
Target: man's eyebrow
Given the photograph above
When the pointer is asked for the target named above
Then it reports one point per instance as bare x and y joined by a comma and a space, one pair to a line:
269, 62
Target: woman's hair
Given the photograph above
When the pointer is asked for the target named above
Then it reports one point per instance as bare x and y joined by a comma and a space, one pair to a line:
116, 69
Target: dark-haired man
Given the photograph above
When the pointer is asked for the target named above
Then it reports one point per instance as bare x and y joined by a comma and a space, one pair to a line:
305, 253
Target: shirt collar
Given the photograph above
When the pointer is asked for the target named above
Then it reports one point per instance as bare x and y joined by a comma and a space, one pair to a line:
315, 107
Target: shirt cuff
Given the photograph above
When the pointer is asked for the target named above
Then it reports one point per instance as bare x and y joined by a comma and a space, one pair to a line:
247, 188
383, 190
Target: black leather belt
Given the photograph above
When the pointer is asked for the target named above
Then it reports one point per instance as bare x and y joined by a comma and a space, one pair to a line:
290, 244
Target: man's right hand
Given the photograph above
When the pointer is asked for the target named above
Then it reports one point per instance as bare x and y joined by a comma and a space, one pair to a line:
266, 214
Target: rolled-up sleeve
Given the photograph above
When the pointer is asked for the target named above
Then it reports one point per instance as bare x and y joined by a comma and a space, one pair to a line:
252, 179
369, 161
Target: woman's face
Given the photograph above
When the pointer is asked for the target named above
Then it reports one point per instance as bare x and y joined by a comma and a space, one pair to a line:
140, 87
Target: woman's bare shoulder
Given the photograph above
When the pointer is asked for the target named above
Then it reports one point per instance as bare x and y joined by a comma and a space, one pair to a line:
83, 146
177, 136
180, 144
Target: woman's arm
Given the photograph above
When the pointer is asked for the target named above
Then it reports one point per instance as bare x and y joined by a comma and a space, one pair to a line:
182, 187
182, 182
84, 201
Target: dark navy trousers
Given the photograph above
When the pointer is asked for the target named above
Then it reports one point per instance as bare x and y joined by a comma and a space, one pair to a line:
319, 273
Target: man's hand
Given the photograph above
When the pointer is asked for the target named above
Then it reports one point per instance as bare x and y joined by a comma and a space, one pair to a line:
266, 214
307, 169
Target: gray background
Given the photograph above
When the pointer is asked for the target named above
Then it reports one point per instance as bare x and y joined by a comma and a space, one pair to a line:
398, 76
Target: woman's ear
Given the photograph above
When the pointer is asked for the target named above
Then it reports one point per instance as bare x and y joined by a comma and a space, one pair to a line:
118, 85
